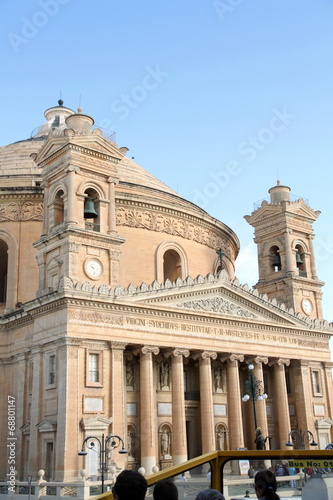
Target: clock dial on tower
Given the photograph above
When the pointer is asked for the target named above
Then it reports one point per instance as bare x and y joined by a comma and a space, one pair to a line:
93, 268
307, 306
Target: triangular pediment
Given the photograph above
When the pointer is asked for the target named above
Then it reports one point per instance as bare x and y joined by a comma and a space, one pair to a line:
211, 295
266, 211
89, 144
221, 297
47, 425
95, 423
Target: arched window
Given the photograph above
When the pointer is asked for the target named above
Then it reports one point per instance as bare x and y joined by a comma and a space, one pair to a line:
58, 207
300, 261
275, 259
3, 271
8, 272
92, 210
172, 268
171, 262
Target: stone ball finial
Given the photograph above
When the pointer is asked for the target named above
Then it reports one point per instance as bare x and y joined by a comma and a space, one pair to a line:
79, 110
41, 473
83, 474
142, 471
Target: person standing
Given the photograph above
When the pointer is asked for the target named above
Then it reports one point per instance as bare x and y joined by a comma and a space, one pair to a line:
130, 485
265, 485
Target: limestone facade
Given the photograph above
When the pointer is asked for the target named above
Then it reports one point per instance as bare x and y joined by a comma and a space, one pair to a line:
125, 322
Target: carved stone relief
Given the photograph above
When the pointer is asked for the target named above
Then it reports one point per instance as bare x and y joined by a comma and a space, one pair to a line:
172, 225
217, 304
22, 211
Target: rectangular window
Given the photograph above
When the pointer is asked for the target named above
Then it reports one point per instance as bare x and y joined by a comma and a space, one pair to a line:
94, 368
93, 375
51, 375
316, 386
30, 375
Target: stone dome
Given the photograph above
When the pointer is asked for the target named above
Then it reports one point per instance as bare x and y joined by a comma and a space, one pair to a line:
147, 210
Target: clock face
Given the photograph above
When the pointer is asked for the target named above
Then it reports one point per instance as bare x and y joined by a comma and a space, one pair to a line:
307, 306
93, 268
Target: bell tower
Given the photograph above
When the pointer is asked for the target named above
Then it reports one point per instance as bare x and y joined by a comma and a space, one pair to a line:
287, 269
79, 172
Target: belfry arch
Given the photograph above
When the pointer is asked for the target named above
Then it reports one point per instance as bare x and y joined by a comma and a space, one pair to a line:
8, 272
171, 262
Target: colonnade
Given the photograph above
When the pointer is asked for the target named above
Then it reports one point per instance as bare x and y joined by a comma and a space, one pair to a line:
233, 363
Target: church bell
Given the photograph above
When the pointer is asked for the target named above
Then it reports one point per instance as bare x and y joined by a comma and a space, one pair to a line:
298, 258
89, 209
276, 260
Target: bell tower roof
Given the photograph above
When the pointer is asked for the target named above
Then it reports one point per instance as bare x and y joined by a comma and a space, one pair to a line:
56, 119
286, 262
279, 193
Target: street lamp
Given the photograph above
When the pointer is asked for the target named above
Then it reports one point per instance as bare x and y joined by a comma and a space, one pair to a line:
106, 445
301, 436
254, 390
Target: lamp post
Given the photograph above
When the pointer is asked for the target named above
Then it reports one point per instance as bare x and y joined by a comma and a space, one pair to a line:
293, 436
254, 390
106, 445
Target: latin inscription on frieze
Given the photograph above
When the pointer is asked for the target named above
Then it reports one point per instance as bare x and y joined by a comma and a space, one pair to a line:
216, 331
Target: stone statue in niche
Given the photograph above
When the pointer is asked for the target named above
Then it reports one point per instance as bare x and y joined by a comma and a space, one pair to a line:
165, 444
130, 444
218, 379
220, 439
165, 376
129, 376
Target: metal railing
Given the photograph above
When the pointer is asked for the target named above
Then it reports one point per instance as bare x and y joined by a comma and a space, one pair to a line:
223, 482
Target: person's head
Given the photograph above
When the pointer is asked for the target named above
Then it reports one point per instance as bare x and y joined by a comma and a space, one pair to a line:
210, 495
265, 485
130, 485
165, 490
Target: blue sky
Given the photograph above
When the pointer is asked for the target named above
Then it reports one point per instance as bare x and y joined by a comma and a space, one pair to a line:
215, 98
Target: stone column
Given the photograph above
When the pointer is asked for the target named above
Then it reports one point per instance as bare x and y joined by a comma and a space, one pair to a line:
312, 260
236, 434
148, 417
281, 406
118, 403
261, 405
46, 210
303, 406
112, 206
290, 257
71, 196
206, 401
179, 444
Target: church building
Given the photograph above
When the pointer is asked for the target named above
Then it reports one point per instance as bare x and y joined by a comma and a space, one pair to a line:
120, 313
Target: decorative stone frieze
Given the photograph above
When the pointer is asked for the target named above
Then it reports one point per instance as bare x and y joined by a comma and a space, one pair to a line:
21, 212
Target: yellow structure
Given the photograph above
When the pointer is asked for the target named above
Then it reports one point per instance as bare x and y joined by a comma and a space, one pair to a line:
118, 314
